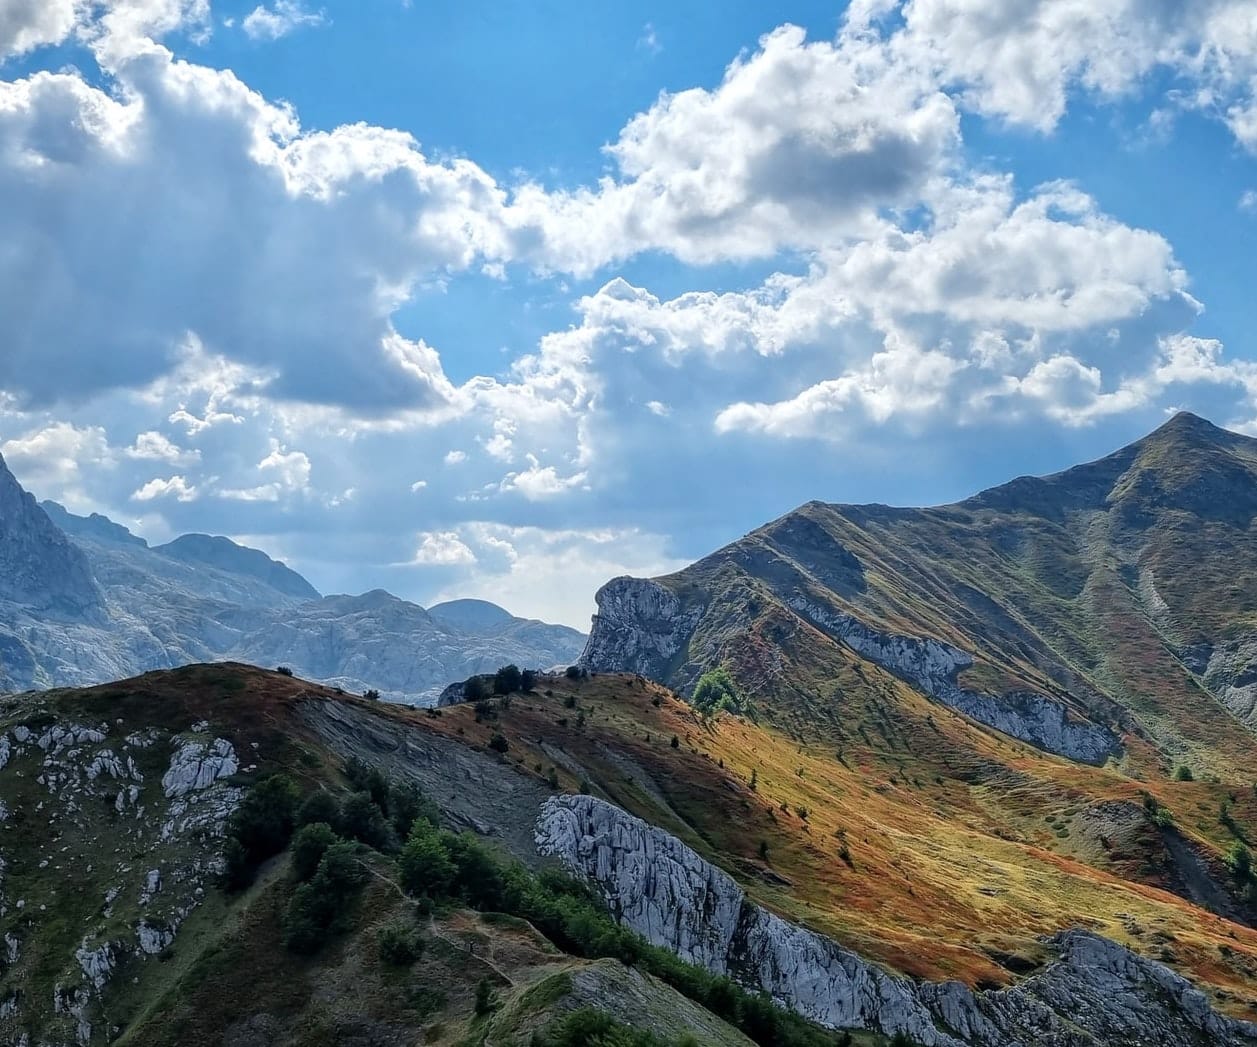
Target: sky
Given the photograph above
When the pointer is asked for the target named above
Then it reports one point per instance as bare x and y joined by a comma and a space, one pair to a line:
506, 299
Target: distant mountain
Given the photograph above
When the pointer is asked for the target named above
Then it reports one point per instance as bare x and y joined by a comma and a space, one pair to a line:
471, 615
82, 600
1106, 607
228, 556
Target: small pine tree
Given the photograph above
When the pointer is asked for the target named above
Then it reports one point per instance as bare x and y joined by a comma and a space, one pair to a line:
676, 742
485, 1002
499, 744
754, 779
283, 670
507, 679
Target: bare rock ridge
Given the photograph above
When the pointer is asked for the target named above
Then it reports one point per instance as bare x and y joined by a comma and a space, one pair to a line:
1095, 993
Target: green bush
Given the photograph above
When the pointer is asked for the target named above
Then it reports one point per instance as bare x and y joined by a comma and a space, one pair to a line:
405, 804
400, 945
716, 690
486, 1000
527, 680
365, 778
592, 1028
1240, 861
260, 828
1183, 773
319, 909
319, 806
498, 743
425, 865
308, 848
361, 818
507, 680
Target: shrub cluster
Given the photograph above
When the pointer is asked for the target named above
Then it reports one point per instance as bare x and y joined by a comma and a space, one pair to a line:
259, 829
438, 865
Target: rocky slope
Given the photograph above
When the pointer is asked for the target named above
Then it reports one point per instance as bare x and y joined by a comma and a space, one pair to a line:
1092, 993
113, 803
84, 600
1113, 600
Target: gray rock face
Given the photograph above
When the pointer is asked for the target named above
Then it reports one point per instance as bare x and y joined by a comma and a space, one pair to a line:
640, 627
196, 766
932, 666
83, 783
643, 627
40, 569
1095, 994
101, 605
1229, 670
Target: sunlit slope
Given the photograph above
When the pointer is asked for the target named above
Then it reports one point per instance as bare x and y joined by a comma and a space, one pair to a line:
901, 828
1122, 591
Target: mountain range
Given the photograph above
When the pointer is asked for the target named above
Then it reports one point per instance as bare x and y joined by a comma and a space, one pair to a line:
82, 600
979, 774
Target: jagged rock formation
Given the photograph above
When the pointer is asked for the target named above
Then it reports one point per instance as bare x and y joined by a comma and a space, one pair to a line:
1063, 611
83, 600
1094, 993
40, 569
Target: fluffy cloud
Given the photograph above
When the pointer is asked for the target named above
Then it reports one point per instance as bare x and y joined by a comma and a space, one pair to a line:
153, 446
27, 24
1022, 60
278, 20
215, 341
56, 458
173, 487
801, 142
442, 549
236, 208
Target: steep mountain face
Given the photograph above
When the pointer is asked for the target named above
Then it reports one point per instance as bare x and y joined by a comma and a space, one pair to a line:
39, 567
83, 600
1110, 604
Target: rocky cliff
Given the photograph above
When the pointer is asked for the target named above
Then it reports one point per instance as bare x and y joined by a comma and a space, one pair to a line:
1094, 994
40, 568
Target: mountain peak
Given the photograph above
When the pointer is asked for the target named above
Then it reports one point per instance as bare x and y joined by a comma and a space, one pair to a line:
470, 614
39, 566
1191, 428
223, 553
95, 527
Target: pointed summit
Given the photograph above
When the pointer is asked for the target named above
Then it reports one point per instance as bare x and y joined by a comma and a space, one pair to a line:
1186, 429
40, 567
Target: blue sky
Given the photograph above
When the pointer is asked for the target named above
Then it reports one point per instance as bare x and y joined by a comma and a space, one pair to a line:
505, 299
